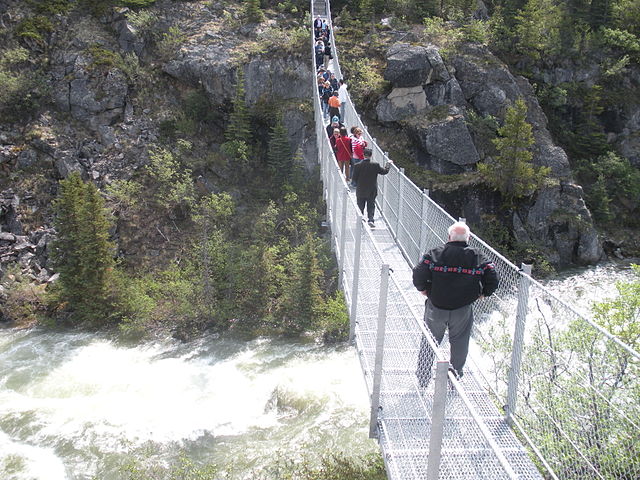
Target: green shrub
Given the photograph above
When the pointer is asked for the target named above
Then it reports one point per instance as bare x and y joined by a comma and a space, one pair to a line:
20, 93
170, 43
103, 57
136, 3
621, 40
171, 185
24, 304
34, 28
14, 56
51, 7
612, 187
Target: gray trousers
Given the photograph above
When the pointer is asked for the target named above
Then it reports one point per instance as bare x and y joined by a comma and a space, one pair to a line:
459, 323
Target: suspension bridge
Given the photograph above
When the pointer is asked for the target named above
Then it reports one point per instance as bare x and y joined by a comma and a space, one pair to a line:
532, 404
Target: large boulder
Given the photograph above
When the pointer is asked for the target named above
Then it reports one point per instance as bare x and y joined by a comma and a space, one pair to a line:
444, 139
560, 221
93, 95
401, 103
407, 66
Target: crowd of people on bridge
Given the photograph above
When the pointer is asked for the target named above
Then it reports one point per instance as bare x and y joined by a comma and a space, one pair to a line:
452, 276
350, 148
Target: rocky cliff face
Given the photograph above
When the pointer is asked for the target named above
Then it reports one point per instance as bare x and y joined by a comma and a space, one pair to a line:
432, 101
111, 88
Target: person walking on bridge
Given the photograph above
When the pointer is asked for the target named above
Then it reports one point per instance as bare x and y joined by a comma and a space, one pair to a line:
365, 175
452, 277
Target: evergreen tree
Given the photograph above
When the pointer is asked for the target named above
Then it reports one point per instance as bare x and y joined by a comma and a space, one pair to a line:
238, 130
83, 251
252, 11
512, 173
239, 126
279, 157
303, 302
537, 28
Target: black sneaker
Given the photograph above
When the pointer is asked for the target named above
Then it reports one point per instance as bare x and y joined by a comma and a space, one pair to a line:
456, 374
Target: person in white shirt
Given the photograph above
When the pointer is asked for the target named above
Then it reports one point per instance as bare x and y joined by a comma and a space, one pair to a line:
342, 95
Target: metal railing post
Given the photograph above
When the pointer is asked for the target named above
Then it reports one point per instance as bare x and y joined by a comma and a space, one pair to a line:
437, 420
377, 371
356, 280
400, 182
422, 245
518, 341
343, 236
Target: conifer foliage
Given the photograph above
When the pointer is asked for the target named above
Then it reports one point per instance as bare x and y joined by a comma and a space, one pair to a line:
83, 252
511, 172
252, 11
279, 156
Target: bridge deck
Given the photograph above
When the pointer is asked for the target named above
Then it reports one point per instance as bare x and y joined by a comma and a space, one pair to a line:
404, 421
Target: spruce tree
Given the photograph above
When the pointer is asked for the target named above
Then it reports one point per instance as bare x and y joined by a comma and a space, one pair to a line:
238, 130
512, 172
252, 11
239, 126
83, 251
303, 302
279, 156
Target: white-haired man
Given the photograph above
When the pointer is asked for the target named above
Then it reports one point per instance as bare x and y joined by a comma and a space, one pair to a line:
452, 277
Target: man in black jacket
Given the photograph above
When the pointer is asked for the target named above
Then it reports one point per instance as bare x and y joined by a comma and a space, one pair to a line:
452, 276
365, 175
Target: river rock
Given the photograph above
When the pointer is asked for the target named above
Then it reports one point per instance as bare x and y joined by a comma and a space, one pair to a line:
407, 66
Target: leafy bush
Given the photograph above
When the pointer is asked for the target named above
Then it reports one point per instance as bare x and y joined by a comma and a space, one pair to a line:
20, 93
366, 83
24, 304
171, 184
621, 40
170, 43
14, 56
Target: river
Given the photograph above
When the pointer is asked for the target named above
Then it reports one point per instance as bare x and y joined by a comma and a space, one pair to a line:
79, 406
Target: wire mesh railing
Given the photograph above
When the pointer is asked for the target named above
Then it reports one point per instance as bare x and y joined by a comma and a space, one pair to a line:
570, 389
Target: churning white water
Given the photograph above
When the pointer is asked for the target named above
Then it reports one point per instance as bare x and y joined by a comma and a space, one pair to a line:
77, 406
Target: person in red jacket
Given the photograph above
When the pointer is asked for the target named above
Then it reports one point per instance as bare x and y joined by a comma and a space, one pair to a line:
344, 153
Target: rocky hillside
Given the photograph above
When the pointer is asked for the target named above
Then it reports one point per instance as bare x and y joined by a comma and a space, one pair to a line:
436, 94
104, 85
